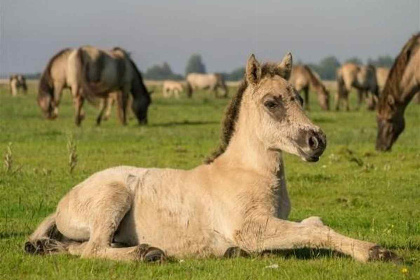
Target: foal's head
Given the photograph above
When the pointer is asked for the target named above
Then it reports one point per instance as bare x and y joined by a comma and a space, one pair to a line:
274, 111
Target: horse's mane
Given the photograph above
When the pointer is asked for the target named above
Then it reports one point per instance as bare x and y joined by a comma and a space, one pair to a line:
232, 111
144, 90
314, 79
392, 85
45, 80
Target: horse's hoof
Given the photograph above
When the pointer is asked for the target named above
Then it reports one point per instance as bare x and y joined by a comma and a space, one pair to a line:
151, 254
377, 253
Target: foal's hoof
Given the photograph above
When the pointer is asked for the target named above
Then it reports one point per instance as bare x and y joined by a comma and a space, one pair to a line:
235, 252
34, 248
151, 254
377, 253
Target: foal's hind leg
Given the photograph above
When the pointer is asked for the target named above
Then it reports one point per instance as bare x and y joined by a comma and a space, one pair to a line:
108, 209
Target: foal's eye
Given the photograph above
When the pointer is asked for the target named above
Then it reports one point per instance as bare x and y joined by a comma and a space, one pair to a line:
270, 104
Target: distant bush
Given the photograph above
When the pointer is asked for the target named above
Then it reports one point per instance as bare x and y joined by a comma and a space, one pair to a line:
195, 65
354, 60
382, 61
236, 75
161, 72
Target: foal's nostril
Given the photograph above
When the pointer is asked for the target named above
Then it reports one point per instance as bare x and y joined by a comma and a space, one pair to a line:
313, 142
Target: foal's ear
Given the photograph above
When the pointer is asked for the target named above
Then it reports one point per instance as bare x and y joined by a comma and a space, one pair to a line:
286, 66
253, 70
132, 181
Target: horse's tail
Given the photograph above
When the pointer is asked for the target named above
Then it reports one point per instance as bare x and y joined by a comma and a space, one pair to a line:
189, 89
46, 238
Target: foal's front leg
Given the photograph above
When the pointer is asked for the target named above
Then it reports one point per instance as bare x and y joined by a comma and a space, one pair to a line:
275, 234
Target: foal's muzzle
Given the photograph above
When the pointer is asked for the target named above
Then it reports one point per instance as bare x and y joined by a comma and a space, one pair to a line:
316, 142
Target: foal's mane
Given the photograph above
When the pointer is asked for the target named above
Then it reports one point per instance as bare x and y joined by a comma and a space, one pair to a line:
392, 85
45, 80
232, 111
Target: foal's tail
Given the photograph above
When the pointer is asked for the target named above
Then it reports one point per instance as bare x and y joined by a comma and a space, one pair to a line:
46, 238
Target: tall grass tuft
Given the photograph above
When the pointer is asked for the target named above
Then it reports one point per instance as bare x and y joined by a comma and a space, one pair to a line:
72, 153
8, 158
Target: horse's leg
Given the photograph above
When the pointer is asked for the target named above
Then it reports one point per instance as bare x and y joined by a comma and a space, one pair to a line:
275, 234
360, 98
370, 101
102, 108
339, 94
58, 90
346, 99
109, 105
306, 93
78, 104
122, 97
216, 94
107, 211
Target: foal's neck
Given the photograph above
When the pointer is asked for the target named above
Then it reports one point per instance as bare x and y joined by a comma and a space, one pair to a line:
245, 151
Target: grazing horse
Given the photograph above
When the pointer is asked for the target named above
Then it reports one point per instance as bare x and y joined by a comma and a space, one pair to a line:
17, 82
363, 78
401, 86
93, 73
381, 76
172, 88
213, 82
302, 78
237, 201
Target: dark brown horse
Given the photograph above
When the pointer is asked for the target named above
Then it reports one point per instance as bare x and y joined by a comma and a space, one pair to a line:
93, 73
401, 86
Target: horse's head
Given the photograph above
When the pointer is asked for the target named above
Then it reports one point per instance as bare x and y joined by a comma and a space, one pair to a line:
141, 96
391, 123
324, 98
46, 100
140, 107
274, 111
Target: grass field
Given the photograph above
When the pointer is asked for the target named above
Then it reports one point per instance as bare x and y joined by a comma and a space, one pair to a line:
356, 190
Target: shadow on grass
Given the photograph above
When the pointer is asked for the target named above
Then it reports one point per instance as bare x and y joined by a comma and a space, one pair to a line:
6, 235
170, 124
305, 253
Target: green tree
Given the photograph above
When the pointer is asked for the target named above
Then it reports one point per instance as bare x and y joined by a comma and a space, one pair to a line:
195, 65
237, 74
354, 60
327, 67
382, 61
161, 72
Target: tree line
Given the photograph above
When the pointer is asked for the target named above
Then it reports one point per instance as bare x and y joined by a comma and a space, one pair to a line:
326, 68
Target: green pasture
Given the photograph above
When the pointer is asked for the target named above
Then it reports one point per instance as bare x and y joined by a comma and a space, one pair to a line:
356, 190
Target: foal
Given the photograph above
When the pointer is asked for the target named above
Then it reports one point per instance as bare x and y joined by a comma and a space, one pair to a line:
237, 200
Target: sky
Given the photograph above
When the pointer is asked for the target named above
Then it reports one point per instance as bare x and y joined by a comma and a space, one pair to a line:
225, 32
